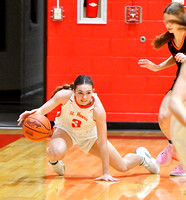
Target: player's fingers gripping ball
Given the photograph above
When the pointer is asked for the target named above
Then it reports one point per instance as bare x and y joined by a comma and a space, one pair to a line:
178, 137
36, 127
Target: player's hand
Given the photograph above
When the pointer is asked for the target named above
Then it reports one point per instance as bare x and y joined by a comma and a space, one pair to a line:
180, 57
24, 115
106, 177
148, 64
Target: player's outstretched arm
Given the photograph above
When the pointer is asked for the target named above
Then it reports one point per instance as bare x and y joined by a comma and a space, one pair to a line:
60, 97
100, 118
145, 63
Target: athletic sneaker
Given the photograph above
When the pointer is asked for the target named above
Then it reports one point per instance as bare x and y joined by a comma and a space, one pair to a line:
166, 155
178, 171
58, 167
148, 161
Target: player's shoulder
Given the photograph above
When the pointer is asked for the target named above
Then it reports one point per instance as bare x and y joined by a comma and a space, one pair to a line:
98, 107
170, 45
97, 100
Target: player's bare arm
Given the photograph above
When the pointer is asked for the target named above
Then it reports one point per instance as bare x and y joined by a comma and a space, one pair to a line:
153, 67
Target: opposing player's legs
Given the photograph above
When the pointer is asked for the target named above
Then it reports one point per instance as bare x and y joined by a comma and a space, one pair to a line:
164, 122
178, 136
131, 160
58, 147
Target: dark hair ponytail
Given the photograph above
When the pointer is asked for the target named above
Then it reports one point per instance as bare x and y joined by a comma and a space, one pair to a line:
162, 39
64, 87
80, 80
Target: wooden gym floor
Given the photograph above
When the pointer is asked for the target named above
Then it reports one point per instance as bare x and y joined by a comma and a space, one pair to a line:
25, 173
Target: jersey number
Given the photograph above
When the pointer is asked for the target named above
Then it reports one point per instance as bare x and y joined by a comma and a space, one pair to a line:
76, 123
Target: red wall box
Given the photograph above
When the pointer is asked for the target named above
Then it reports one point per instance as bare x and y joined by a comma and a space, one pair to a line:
92, 8
109, 53
133, 14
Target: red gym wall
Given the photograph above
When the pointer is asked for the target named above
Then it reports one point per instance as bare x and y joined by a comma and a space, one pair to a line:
109, 53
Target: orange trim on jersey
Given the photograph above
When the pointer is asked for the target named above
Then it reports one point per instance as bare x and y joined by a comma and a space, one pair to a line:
87, 106
183, 38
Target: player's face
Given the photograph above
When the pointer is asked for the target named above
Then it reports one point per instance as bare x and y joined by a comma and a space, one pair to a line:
83, 94
169, 23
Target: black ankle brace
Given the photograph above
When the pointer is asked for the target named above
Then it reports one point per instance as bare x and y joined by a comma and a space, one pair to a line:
53, 163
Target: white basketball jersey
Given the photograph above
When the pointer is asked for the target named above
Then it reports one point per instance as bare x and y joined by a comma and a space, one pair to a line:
76, 118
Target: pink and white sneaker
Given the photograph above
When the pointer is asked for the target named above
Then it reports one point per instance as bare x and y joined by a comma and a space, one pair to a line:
166, 155
178, 171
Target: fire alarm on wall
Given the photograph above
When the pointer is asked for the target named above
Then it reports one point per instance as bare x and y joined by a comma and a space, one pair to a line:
57, 13
133, 14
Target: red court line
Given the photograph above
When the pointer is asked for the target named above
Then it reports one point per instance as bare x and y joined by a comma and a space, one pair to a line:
6, 139
139, 137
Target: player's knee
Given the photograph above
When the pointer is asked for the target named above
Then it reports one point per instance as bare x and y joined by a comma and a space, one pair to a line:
57, 153
163, 116
122, 168
164, 120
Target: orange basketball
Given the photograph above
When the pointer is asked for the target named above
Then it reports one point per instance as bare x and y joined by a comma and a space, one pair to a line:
36, 127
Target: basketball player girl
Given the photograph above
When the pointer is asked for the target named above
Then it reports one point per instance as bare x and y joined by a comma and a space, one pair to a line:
177, 106
178, 97
175, 37
82, 121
